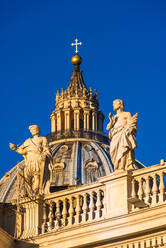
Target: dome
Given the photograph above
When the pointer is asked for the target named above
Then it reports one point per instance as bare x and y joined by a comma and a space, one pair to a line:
83, 162
79, 146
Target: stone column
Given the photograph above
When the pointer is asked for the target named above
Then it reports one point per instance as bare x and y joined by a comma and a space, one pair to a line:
59, 121
67, 119
86, 120
53, 123
28, 218
100, 116
76, 119
94, 121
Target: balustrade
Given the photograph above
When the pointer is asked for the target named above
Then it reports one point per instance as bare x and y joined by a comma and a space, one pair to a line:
44, 225
64, 211
147, 189
73, 209
95, 201
148, 186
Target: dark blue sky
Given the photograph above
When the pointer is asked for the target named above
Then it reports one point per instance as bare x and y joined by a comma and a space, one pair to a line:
123, 51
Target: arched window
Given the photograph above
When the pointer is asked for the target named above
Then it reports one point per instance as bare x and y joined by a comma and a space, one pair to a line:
57, 174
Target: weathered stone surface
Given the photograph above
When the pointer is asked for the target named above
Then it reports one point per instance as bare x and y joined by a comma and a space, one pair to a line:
122, 133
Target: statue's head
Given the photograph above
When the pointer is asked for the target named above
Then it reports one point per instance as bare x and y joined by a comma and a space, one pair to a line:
118, 104
34, 129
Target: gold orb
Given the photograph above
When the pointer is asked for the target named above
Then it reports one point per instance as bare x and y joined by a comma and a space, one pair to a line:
76, 60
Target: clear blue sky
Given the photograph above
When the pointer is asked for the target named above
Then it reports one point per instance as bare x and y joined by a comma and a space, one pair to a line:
124, 56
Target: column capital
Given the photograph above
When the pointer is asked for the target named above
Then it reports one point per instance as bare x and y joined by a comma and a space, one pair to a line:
94, 112
58, 111
52, 115
77, 110
66, 109
86, 110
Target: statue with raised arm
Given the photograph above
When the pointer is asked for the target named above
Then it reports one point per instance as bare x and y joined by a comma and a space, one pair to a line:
122, 133
36, 154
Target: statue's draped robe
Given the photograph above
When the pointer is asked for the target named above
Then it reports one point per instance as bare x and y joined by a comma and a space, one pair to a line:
37, 159
123, 140
34, 154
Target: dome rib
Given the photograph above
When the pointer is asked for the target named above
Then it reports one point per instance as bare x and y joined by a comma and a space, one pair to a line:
104, 157
75, 162
10, 182
56, 148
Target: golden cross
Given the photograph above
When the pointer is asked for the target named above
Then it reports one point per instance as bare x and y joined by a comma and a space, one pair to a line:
76, 44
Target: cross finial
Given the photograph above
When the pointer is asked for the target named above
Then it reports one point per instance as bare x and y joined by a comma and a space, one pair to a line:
76, 44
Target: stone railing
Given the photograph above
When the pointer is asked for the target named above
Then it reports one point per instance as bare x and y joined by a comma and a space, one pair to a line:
151, 242
148, 187
114, 195
72, 207
98, 136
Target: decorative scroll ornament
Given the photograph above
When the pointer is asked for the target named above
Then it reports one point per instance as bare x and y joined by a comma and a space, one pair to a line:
63, 148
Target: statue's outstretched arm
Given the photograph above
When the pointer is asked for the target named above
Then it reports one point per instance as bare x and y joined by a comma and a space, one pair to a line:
109, 126
20, 150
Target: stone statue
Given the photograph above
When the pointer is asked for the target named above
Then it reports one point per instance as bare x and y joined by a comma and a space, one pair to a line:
122, 133
36, 153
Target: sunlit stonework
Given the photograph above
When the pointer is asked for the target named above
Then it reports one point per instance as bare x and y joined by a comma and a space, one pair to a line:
79, 187
122, 133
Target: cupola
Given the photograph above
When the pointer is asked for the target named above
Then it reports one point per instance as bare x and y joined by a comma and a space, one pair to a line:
77, 112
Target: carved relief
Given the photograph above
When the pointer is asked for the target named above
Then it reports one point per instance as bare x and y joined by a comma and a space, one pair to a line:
57, 174
63, 153
87, 147
91, 168
63, 148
